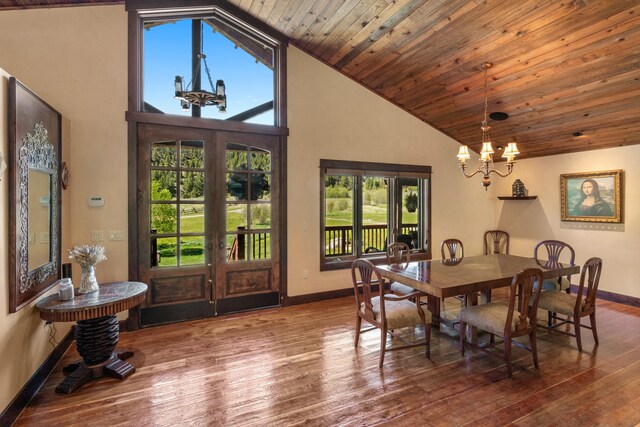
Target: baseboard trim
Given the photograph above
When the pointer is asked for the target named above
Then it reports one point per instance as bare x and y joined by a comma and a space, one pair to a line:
341, 293
11, 412
613, 297
319, 296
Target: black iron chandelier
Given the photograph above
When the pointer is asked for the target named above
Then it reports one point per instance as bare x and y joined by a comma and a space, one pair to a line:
194, 95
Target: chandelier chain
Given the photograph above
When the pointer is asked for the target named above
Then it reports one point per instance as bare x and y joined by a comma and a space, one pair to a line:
204, 57
485, 96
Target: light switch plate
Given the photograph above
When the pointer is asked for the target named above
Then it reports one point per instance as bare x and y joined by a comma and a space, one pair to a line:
96, 236
116, 235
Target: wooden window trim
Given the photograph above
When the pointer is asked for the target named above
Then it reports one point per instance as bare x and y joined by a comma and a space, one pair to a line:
360, 169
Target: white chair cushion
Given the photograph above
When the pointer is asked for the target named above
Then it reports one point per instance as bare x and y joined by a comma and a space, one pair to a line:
558, 302
400, 289
489, 317
400, 314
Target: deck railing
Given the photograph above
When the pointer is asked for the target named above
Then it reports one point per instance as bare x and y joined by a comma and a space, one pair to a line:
339, 238
259, 246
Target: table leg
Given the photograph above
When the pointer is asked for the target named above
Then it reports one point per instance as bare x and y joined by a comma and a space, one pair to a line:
96, 340
472, 331
433, 304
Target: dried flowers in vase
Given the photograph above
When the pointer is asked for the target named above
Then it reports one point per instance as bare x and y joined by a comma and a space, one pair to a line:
87, 256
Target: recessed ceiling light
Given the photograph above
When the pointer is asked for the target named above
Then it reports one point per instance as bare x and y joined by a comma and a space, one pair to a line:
498, 115
577, 134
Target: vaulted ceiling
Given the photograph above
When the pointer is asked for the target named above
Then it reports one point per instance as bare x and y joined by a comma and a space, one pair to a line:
566, 72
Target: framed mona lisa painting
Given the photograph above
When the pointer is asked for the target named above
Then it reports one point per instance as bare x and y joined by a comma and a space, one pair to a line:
592, 196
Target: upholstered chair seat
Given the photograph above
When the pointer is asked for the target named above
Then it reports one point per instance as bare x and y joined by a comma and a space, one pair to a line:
401, 289
489, 317
400, 313
558, 302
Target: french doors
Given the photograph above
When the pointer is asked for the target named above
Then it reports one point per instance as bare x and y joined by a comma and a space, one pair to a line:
208, 209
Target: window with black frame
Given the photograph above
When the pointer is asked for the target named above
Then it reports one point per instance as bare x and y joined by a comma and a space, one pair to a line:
367, 206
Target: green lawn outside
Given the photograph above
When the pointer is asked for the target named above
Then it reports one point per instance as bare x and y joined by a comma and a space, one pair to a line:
236, 216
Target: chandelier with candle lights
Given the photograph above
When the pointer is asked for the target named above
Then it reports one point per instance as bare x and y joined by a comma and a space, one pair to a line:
195, 95
485, 163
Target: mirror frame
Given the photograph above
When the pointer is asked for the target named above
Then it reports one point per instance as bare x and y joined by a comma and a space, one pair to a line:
35, 143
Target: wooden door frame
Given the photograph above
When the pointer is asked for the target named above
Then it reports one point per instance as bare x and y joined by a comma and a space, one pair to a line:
135, 116
135, 196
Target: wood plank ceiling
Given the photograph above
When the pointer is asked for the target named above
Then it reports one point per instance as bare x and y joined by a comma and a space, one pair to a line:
566, 72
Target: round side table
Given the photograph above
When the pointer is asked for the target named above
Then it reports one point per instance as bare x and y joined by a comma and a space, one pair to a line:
97, 330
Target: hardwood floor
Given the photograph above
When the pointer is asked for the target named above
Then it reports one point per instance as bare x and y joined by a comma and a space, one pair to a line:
297, 365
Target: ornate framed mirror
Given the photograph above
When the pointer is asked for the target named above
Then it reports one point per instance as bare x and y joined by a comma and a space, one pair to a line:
34, 195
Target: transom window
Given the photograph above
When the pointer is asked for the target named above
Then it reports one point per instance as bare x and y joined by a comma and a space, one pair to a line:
367, 206
202, 49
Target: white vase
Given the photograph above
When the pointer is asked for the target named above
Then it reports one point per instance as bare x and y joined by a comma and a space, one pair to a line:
88, 282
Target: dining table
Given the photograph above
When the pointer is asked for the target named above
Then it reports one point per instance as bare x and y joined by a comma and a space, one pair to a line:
445, 278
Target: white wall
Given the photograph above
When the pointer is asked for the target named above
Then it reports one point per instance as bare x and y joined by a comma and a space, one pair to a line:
531, 221
332, 117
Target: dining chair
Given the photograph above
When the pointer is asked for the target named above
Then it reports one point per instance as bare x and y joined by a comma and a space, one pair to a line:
386, 312
575, 306
449, 249
496, 242
554, 249
398, 253
507, 322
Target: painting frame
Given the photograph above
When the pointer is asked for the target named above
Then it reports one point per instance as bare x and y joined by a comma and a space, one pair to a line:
592, 196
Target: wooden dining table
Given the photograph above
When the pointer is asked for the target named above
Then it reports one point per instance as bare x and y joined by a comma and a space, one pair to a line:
467, 276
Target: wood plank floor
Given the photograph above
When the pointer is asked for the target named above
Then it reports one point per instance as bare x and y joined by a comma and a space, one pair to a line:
297, 365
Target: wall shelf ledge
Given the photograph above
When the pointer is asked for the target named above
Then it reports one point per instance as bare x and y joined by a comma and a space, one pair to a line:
517, 198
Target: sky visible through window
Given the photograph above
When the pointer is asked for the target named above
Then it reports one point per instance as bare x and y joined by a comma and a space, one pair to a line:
167, 53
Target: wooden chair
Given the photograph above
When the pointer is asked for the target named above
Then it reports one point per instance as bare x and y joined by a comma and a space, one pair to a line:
554, 249
449, 253
398, 253
510, 321
449, 249
496, 242
575, 306
383, 311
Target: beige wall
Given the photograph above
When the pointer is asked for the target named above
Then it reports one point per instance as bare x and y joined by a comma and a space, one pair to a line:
531, 221
331, 117
24, 337
75, 59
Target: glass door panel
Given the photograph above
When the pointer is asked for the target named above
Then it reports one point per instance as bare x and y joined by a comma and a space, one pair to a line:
248, 202
248, 271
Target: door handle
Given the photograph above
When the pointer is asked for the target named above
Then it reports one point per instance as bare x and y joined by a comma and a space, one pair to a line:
221, 245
